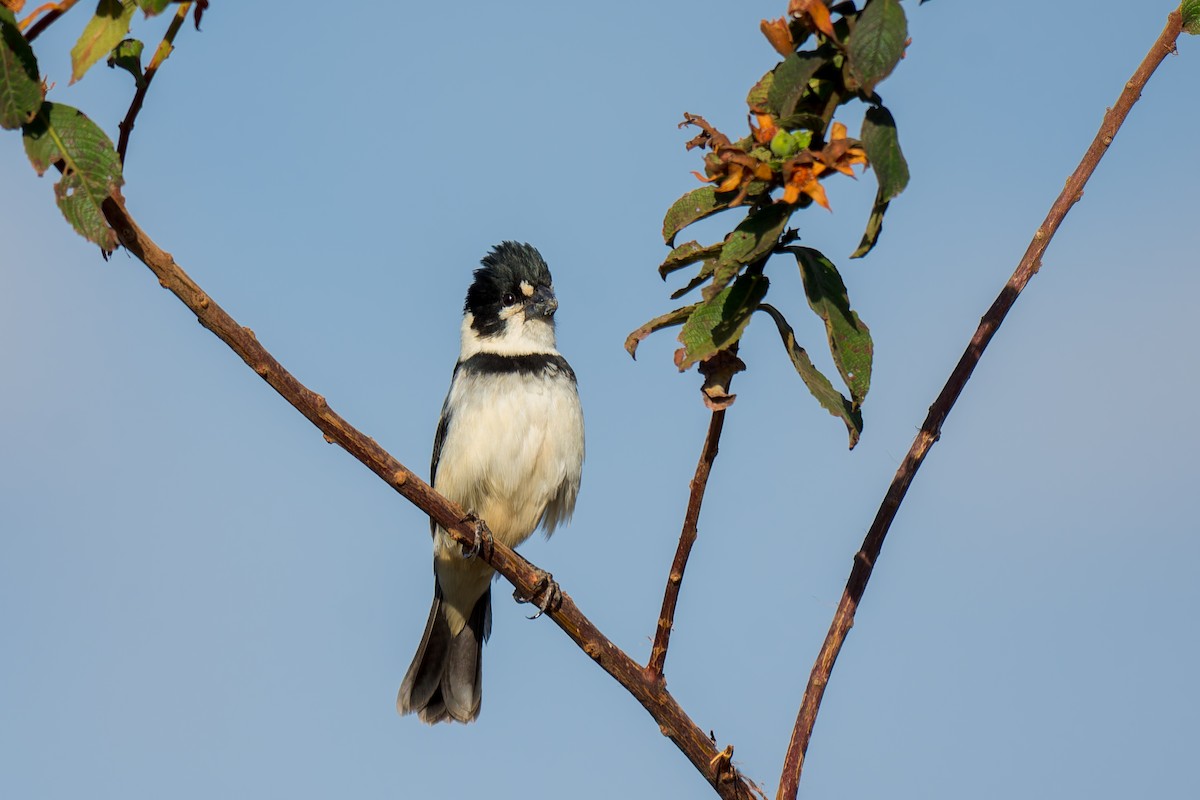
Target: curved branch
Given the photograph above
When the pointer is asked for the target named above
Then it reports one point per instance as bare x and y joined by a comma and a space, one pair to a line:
864, 560
716, 766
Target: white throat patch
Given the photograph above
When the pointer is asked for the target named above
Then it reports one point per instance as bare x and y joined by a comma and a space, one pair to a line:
521, 336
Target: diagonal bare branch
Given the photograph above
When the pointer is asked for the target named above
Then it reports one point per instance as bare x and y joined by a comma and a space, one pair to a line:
864, 560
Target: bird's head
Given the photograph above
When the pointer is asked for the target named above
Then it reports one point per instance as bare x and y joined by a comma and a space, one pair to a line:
510, 305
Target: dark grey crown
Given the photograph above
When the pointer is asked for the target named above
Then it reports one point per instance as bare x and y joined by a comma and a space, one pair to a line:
504, 269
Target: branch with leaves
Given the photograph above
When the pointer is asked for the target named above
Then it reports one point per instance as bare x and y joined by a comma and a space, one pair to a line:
775, 171
832, 56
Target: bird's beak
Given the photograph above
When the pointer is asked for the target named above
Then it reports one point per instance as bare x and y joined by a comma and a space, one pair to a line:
542, 304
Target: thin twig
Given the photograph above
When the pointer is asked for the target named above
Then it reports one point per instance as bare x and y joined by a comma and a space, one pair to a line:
161, 53
57, 10
687, 538
716, 768
864, 560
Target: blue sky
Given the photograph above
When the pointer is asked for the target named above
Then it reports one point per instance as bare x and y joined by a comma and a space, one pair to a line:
199, 597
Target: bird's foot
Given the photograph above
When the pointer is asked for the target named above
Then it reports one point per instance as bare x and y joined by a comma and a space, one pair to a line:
546, 594
483, 537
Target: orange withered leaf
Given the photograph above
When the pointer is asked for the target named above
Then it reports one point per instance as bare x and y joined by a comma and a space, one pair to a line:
817, 13
766, 129
779, 35
842, 153
733, 179
803, 180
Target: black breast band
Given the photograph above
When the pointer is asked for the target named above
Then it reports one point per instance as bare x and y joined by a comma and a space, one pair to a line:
546, 364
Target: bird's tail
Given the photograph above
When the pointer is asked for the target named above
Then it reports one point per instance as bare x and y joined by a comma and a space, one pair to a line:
445, 681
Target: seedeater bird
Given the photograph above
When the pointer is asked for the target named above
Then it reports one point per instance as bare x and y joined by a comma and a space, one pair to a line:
509, 449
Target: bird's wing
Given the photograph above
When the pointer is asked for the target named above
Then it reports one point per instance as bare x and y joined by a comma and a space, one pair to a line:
439, 439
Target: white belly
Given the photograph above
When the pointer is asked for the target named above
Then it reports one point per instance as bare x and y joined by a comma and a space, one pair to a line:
513, 452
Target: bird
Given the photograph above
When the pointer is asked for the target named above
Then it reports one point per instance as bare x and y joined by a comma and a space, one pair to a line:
509, 449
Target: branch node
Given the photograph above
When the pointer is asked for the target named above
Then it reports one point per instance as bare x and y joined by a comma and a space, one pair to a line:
722, 764
399, 478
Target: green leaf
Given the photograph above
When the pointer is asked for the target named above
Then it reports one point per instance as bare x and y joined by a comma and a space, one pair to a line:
91, 169
695, 205
759, 95
702, 277
20, 86
891, 170
718, 322
152, 7
789, 82
1190, 9
874, 226
687, 253
830, 398
877, 43
883, 151
849, 338
756, 235
102, 33
805, 120
128, 56
676, 317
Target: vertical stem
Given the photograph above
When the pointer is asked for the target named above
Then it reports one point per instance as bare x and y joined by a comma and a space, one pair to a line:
687, 538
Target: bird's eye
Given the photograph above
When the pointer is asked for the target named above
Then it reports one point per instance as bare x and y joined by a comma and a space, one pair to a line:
508, 299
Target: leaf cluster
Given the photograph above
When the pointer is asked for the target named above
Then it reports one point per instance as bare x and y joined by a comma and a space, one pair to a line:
833, 55
63, 137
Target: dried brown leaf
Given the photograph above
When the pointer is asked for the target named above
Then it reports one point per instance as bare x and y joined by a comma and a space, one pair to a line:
779, 35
